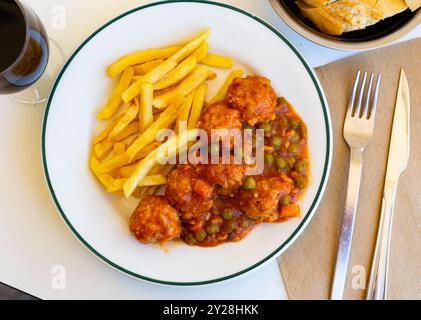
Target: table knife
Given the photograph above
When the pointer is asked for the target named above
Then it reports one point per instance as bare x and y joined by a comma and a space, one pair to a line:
397, 163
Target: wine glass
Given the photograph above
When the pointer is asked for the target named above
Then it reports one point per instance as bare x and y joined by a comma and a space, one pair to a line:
29, 60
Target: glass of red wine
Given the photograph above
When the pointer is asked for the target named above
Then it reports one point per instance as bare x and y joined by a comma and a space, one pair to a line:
29, 60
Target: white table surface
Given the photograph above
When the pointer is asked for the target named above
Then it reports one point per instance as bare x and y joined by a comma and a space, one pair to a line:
34, 239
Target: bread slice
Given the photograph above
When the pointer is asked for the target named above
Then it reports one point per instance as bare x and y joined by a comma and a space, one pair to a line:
413, 4
348, 15
318, 3
391, 7
322, 18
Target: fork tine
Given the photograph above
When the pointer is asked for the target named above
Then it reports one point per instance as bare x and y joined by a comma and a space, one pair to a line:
354, 91
360, 96
365, 110
375, 97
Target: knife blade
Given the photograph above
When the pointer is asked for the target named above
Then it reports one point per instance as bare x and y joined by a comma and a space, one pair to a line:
397, 162
400, 138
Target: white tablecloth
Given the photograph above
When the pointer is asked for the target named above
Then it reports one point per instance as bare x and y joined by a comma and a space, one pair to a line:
34, 241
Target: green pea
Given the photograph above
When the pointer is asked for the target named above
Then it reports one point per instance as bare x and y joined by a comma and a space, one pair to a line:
286, 200
291, 162
300, 181
189, 239
247, 126
295, 137
269, 158
301, 166
214, 148
249, 183
293, 148
281, 163
227, 214
282, 101
276, 141
212, 228
200, 235
267, 127
294, 122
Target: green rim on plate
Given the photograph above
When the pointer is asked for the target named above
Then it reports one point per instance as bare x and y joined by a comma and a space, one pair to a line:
306, 217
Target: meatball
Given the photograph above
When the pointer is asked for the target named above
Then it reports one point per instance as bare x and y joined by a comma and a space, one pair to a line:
154, 220
227, 177
262, 202
219, 116
254, 97
189, 193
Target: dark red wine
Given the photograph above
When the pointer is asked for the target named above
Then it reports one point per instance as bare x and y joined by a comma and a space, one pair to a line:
24, 47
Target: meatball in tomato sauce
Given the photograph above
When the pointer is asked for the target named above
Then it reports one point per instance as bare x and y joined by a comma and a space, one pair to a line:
228, 178
261, 203
155, 220
253, 97
188, 192
219, 116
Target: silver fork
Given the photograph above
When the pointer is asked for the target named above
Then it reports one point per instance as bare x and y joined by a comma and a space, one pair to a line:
358, 130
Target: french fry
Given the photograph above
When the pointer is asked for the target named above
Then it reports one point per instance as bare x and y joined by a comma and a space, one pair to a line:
167, 169
167, 149
143, 191
144, 68
189, 48
151, 180
224, 88
112, 163
215, 60
128, 116
146, 150
185, 110
190, 83
198, 102
151, 77
119, 147
211, 75
139, 57
105, 179
114, 101
164, 120
131, 129
127, 171
93, 163
103, 148
138, 192
174, 76
161, 70
106, 131
146, 109
201, 52
120, 162
153, 189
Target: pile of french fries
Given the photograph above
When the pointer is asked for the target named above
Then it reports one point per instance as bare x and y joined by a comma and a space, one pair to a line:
157, 89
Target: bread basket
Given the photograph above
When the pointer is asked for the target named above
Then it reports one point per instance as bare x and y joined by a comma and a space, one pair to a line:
374, 36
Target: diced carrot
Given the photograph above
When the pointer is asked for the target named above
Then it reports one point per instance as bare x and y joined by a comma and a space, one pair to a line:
290, 210
202, 188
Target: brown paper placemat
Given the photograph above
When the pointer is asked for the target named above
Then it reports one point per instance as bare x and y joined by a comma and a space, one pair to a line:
307, 266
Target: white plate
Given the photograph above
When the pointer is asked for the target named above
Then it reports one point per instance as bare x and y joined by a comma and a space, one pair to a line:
99, 220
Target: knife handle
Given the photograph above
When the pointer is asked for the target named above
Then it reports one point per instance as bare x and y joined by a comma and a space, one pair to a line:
377, 285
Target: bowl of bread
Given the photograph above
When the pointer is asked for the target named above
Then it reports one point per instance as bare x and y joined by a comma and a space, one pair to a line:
350, 24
